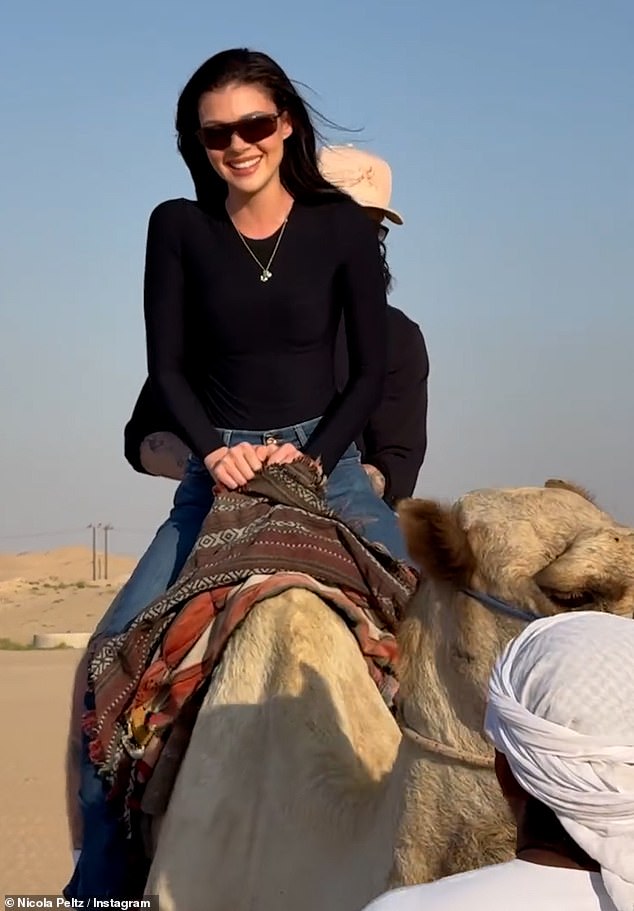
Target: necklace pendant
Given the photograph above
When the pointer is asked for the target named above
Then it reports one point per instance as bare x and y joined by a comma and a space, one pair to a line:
264, 277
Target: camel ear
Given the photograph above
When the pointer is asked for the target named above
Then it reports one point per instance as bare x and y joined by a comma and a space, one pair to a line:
436, 542
568, 485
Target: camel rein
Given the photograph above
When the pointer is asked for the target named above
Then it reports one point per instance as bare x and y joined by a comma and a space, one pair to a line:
456, 753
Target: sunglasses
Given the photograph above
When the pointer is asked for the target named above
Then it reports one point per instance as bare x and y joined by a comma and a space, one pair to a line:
383, 231
249, 129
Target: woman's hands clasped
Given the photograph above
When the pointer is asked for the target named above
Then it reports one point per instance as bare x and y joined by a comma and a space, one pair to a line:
233, 466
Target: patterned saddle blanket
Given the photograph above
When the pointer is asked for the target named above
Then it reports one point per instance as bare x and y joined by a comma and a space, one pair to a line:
276, 533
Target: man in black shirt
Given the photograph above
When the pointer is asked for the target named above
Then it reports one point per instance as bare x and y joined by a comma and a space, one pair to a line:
394, 441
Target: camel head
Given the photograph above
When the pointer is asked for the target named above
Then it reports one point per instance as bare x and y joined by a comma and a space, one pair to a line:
543, 550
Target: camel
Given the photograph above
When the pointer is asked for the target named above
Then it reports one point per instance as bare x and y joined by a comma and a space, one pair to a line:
300, 789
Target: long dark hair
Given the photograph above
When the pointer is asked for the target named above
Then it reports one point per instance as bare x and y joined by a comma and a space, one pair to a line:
388, 278
299, 172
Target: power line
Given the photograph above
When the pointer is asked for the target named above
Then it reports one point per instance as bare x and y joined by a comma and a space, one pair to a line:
43, 534
135, 531
100, 556
73, 531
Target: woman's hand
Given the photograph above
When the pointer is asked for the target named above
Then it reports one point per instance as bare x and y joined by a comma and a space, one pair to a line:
236, 465
283, 454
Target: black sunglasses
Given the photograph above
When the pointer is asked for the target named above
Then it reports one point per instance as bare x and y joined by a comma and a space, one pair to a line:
383, 232
249, 129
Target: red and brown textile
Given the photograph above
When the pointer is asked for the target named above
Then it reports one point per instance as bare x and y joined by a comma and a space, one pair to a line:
273, 534
186, 658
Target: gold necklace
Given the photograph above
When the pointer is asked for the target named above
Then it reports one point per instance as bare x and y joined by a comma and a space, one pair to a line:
266, 270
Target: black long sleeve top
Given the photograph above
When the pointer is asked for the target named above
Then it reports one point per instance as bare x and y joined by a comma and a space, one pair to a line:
226, 350
395, 437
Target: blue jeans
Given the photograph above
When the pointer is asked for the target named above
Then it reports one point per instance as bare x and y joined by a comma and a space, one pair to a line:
100, 871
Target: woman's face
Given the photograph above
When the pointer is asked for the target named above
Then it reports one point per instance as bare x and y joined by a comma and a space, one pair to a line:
247, 163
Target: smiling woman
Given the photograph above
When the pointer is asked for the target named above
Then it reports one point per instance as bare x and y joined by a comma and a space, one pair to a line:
236, 100
244, 292
260, 133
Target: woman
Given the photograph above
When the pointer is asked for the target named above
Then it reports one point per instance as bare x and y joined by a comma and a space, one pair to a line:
244, 290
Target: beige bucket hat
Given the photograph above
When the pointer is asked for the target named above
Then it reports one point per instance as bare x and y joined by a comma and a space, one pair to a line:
363, 175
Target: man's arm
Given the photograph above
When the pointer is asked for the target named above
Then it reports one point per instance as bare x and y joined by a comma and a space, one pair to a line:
151, 442
395, 438
164, 455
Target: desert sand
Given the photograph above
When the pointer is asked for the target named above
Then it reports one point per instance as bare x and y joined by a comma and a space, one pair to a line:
53, 591
41, 592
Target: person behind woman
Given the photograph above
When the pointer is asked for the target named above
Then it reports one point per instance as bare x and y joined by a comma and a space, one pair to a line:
243, 293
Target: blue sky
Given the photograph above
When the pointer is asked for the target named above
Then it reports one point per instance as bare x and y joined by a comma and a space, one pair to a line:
509, 127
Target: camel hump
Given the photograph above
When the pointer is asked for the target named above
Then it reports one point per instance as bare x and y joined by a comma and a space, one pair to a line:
560, 484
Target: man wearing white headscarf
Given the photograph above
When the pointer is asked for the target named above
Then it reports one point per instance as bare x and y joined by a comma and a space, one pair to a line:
560, 714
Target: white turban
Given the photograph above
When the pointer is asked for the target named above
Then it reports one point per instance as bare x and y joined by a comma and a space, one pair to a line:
561, 709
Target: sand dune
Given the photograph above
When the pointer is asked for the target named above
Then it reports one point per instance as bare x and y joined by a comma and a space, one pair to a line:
53, 591
65, 564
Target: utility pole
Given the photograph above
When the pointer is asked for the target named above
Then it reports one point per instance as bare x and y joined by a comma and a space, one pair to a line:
94, 550
106, 529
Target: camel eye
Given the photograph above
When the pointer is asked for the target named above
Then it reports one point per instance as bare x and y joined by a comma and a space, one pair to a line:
581, 599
